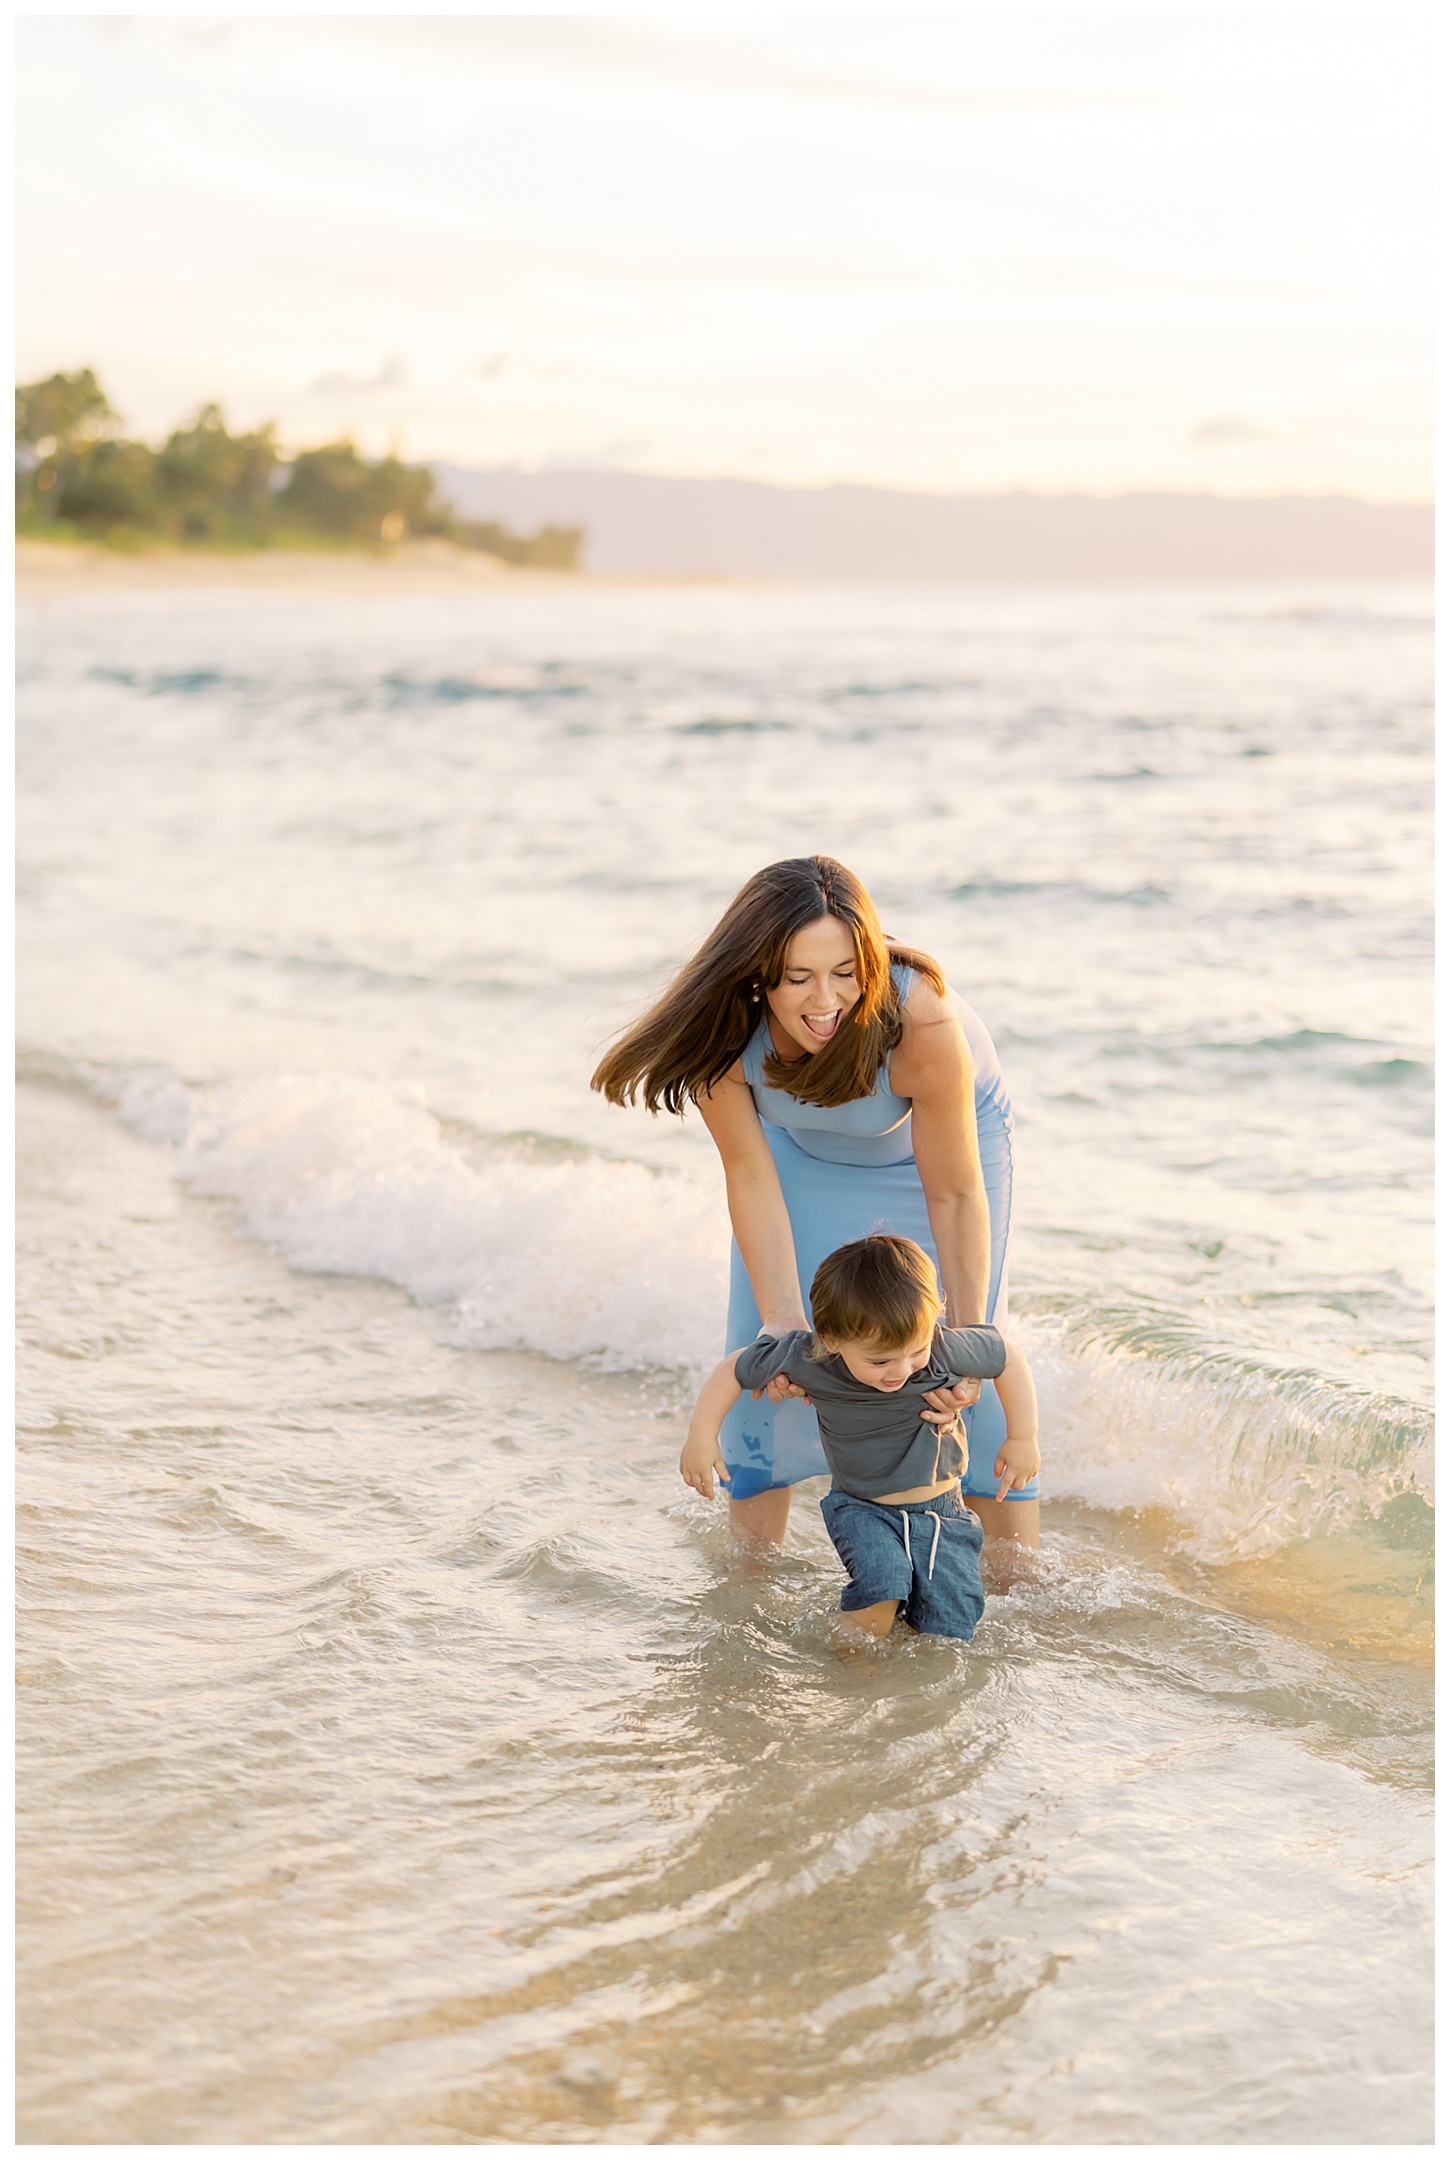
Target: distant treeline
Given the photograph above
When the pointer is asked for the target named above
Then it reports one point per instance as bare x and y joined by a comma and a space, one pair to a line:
76, 479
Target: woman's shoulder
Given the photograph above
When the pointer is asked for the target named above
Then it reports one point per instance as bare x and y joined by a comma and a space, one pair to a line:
750, 1065
736, 1073
921, 1002
931, 1050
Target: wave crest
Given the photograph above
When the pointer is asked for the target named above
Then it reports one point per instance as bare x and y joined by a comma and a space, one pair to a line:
1248, 1458
576, 1258
589, 1257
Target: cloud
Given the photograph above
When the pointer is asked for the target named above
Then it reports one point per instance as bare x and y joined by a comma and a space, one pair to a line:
392, 375
706, 261
621, 454
520, 365
1215, 434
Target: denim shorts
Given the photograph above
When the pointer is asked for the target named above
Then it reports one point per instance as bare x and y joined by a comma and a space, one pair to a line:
927, 1555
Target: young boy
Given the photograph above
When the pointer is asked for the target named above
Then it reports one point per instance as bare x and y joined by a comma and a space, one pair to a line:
895, 1510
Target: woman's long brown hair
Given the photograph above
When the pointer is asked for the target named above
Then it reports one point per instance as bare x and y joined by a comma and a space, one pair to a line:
690, 1037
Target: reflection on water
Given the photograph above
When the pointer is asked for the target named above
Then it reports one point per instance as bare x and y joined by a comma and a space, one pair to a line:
407, 1759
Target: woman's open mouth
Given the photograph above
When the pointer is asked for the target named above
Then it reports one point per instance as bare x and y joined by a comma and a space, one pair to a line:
821, 1025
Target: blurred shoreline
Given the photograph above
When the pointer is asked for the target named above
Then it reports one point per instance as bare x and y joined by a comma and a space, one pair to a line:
53, 569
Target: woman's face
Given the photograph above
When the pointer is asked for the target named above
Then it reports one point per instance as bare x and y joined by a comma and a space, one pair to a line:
819, 985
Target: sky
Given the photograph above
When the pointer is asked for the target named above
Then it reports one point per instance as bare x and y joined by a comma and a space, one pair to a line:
937, 252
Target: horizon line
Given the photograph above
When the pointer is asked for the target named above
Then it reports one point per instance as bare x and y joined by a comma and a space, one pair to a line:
1067, 492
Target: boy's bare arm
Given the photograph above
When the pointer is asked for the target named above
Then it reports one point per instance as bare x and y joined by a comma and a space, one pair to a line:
700, 1457
1018, 1460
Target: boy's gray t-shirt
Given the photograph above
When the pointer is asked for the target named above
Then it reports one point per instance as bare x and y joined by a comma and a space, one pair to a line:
876, 1442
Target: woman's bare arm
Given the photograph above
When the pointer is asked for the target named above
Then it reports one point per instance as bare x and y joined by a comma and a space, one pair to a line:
933, 1065
758, 1213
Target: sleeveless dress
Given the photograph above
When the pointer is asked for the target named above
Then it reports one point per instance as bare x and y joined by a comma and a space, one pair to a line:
844, 1172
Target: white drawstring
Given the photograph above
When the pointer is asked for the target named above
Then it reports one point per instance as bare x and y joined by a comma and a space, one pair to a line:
935, 1534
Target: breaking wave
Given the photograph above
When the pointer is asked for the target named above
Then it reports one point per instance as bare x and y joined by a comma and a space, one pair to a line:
581, 1256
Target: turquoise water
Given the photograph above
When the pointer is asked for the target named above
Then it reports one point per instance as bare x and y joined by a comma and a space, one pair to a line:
404, 1755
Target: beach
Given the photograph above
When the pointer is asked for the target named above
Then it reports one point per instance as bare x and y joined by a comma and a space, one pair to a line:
46, 568
403, 1754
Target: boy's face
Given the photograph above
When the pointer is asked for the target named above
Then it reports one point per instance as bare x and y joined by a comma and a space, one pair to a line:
867, 1359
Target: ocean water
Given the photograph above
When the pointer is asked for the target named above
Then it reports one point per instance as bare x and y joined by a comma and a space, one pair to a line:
405, 1755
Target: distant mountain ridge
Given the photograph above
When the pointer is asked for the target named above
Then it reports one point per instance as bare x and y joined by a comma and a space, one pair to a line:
641, 524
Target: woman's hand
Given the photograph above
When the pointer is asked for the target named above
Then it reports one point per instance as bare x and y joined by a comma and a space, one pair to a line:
946, 1402
701, 1461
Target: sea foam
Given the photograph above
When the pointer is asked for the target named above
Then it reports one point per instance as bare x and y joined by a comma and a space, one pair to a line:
580, 1257
589, 1257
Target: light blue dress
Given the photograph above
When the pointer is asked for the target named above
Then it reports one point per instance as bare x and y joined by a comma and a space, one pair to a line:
844, 1172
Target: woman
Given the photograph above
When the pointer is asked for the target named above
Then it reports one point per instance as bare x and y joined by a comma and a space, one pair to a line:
847, 1090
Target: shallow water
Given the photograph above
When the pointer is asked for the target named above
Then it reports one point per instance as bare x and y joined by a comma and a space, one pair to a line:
404, 1755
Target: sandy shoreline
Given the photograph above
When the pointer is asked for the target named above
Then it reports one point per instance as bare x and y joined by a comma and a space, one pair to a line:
46, 570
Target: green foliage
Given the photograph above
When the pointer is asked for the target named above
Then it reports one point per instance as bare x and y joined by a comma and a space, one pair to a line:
54, 420
217, 486
53, 414
110, 484
552, 547
334, 491
206, 484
